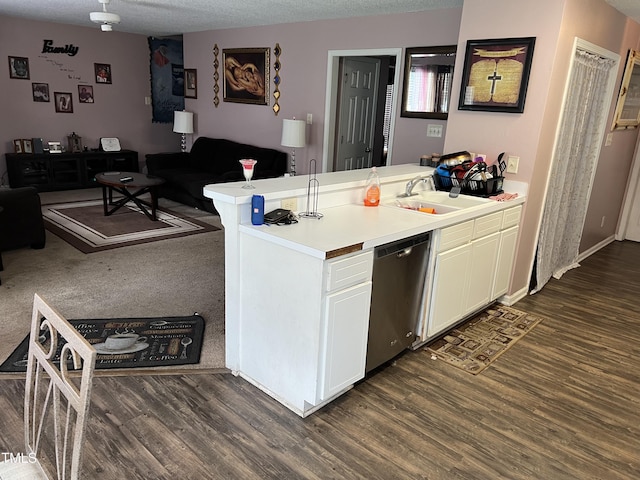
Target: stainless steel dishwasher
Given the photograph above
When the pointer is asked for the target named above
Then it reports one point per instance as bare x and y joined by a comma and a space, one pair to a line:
399, 271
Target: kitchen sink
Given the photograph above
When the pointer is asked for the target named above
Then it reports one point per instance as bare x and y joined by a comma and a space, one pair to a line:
443, 198
435, 202
415, 204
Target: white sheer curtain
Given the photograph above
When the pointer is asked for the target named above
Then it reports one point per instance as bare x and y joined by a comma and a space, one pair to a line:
575, 158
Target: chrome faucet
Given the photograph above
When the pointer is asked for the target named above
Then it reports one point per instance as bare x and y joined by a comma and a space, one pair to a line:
408, 192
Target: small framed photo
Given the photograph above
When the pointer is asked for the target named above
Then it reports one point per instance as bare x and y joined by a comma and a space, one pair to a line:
103, 72
19, 68
17, 146
246, 75
496, 74
40, 92
85, 93
63, 101
27, 145
190, 83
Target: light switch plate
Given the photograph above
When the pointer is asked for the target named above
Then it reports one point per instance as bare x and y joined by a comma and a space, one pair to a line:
434, 130
512, 164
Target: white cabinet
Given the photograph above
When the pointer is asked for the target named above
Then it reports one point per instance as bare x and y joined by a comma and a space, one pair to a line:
346, 325
304, 322
472, 268
449, 284
506, 254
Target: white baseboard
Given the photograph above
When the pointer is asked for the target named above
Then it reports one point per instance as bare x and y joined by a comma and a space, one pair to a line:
596, 247
510, 300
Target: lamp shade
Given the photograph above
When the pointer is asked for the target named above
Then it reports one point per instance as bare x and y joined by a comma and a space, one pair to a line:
183, 122
293, 133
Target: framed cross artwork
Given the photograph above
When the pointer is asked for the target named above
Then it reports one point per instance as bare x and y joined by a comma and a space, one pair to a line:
496, 74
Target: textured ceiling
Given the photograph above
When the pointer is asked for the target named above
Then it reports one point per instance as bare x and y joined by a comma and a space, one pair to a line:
169, 17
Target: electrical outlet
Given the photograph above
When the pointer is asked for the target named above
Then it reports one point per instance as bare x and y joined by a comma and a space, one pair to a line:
289, 204
309, 118
512, 164
434, 130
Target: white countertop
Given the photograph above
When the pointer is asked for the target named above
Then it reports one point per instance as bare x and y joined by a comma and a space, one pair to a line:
349, 225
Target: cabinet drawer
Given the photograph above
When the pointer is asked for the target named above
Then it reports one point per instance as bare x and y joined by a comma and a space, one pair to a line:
511, 217
455, 236
487, 225
345, 272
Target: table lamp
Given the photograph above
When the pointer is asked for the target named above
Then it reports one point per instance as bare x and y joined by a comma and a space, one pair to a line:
183, 123
293, 135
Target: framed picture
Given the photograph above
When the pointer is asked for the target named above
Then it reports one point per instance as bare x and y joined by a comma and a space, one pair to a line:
19, 68
63, 101
627, 114
27, 145
496, 74
85, 93
190, 83
246, 75
103, 72
17, 146
40, 92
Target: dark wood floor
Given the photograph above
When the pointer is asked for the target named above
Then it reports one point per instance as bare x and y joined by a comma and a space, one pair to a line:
563, 403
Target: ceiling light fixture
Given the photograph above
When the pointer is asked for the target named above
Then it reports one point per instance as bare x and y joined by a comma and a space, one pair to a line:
104, 18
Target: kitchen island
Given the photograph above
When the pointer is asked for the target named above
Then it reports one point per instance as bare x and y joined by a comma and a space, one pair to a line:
297, 296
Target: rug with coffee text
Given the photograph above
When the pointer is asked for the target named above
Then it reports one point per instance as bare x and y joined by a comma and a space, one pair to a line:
129, 342
84, 225
476, 343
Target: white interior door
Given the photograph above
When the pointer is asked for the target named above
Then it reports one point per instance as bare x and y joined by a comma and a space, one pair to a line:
357, 112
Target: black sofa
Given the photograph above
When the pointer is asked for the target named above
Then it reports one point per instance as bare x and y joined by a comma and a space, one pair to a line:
21, 223
211, 160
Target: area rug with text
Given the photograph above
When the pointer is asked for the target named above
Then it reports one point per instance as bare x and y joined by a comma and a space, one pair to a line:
129, 342
476, 343
84, 225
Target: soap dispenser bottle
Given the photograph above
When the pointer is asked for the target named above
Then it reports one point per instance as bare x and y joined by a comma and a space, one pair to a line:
372, 189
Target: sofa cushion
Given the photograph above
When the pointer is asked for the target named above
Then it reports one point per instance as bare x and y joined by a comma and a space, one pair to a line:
218, 156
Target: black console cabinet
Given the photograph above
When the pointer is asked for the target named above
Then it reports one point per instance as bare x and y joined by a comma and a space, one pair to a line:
66, 171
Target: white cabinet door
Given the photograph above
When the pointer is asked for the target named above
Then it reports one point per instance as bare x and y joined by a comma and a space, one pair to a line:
346, 320
506, 253
450, 277
481, 272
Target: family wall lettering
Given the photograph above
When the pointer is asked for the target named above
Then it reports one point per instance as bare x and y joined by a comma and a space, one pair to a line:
69, 49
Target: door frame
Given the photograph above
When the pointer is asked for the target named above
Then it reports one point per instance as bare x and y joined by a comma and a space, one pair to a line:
331, 96
578, 44
630, 196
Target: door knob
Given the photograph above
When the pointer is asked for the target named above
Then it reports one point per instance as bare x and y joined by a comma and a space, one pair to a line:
367, 149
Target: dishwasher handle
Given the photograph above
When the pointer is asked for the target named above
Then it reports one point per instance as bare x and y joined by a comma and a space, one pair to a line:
401, 248
404, 253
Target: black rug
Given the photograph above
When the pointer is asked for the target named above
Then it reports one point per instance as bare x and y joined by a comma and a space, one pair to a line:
139, 342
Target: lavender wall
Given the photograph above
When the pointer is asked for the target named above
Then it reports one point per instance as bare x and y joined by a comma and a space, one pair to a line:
305, 48
531, 134
118, 110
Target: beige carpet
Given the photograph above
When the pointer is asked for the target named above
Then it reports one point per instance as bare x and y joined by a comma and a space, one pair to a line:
478, 342
172, 277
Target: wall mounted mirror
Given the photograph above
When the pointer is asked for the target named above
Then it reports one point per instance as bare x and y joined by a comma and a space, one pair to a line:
426, 92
